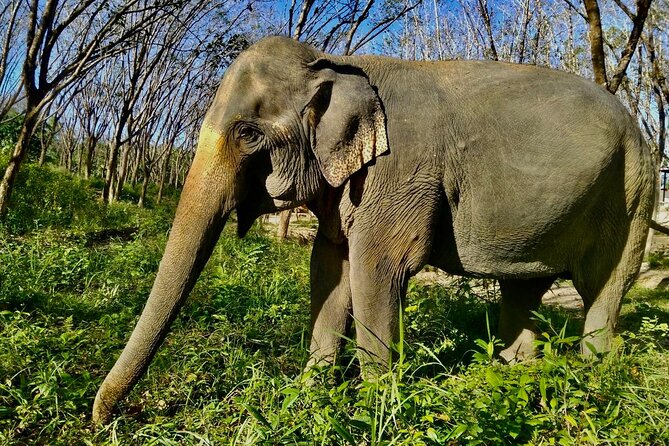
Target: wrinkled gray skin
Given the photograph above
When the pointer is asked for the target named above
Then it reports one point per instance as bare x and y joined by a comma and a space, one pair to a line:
485, 169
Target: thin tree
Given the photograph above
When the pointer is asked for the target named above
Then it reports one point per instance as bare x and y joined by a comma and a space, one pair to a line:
660, 92
487, 22
63, 42
597, 42
9, 55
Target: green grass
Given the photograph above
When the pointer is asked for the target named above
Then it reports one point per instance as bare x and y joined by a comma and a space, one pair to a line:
658, 260
230, 371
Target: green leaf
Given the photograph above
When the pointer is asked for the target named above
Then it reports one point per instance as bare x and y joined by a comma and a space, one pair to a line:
291, 396
591, 347
361, 422
493, 378
542, 389
569, 419
432, 434
257, 415
458, 431
341, 431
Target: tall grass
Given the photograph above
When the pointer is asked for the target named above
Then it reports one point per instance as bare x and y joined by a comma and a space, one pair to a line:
73, 281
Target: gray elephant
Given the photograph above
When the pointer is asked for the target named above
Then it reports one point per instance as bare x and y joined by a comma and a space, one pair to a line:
486, 169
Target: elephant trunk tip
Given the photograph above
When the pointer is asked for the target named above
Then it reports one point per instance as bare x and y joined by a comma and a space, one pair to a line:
105, 400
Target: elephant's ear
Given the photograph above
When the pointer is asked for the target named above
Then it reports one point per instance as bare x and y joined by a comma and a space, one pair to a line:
347, 122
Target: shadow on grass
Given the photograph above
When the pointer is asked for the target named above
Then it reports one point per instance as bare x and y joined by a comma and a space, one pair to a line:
67, 305
443, 323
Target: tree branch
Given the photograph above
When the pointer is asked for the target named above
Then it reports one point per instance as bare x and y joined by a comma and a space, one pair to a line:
596, 42
639, 19
485, 15
304, 14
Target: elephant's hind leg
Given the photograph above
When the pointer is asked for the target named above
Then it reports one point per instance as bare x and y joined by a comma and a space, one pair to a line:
330, 300
516, 327
602, 303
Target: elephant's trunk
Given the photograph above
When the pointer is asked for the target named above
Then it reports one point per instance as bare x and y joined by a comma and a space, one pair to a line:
207, 199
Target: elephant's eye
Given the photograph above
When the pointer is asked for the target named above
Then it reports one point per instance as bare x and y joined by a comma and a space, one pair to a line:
249, 134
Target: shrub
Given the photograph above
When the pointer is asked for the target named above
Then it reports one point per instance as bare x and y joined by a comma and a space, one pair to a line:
10, 127
43, 197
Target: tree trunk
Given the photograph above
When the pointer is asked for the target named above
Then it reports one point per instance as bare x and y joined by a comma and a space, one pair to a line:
20, 149
284, 220
176, 167
485, 15
112, 161
44, 145
163, 174
302, 20
145, 186
638, 22
68, 159
45, 142
527, 17
80, 158
88, 159
122, 172
139, 156
596, 42
62, 156
42, 156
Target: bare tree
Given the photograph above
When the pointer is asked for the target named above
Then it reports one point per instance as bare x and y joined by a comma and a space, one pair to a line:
660, 91
485, 16
89, 32
528, 13
139, 64
186, 113
302, 20
50, 125
9, 55
91, 106
597, 42
188, 31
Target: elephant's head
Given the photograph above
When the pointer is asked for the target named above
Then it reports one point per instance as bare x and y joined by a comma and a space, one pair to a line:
286, 122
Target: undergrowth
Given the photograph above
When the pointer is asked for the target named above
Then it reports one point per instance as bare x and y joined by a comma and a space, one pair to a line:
74, 275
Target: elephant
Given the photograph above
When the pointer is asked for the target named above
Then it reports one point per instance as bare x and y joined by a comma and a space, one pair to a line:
485, 169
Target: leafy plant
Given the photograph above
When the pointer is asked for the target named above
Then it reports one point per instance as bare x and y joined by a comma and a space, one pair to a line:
231, 370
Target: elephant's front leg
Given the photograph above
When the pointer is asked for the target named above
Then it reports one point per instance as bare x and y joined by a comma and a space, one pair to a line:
330, 299
378, 289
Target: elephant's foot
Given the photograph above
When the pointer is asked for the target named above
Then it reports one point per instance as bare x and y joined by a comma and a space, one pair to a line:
374, 354
516, 325
521, 349
372, 370
599, 326
599, 341
316, 367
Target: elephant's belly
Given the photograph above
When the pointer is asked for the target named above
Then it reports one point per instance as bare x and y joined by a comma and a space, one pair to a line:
494, 268
497, 258
504, 269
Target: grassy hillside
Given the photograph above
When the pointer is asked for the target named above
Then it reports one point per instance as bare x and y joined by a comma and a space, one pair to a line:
74, 276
